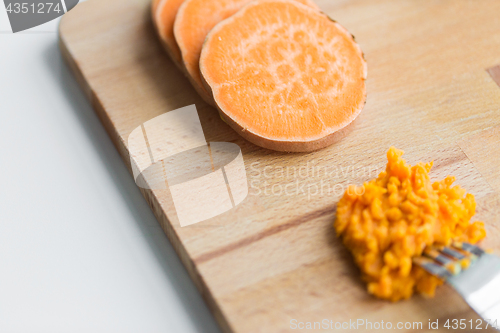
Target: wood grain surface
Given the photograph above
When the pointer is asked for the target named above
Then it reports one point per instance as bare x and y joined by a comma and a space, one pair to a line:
275, 257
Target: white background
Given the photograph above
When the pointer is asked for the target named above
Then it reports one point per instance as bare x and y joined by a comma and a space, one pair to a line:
80, 250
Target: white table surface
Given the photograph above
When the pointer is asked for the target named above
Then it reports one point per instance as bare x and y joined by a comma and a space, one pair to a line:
80, 250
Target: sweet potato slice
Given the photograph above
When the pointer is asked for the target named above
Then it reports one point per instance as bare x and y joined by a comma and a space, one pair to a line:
284, 76
164, 12
154, 6
193, 22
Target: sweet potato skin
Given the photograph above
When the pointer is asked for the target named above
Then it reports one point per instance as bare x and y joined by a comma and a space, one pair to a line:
284, 146
159, 13
154, 7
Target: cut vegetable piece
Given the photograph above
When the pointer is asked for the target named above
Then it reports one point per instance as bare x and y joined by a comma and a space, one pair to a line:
154, 6
194, 21
164, 12
284, 76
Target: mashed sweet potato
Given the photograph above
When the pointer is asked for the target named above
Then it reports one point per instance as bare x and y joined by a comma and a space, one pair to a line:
390, 220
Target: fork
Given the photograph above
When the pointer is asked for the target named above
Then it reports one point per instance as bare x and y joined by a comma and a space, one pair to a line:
472, 272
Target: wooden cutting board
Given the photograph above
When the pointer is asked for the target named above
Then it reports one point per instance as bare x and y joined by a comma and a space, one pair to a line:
274, 257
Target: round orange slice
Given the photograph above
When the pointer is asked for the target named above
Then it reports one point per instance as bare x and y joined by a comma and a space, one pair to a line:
164, 12
193, 22
284, 76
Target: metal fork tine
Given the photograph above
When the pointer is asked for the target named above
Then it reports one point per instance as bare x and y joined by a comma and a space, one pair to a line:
430, 266
436, 255
452, 253
476, 250
450, 264
444, 261
479, 284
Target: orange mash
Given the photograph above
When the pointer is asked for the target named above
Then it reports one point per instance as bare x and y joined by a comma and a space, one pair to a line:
389, 220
